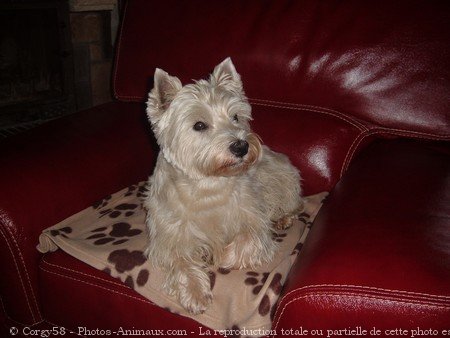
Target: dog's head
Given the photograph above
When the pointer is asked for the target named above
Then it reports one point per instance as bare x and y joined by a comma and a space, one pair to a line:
203, 128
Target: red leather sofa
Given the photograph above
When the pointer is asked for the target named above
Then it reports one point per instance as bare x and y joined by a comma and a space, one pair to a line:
355, 92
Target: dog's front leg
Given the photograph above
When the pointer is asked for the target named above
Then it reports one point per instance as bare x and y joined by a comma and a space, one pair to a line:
248, 251
190, 283
252, 246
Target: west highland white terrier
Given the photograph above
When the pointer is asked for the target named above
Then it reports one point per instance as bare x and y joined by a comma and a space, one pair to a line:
216, 193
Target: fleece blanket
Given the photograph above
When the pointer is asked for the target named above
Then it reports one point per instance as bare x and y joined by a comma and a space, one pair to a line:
111, 236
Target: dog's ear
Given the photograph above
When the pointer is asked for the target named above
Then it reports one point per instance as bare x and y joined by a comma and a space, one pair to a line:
225, 75
165, 87
164, 90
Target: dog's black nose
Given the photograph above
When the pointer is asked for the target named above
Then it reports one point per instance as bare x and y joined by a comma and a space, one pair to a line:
239, 148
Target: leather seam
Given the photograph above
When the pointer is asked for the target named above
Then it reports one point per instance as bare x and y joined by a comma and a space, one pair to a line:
27, 277
352, 150
369, 288
27, 297
381, 130
412, 133
312, 109
98, 286
351, 295
15, 321
81, 273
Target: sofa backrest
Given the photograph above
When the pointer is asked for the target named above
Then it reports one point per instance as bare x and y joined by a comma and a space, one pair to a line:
383, 62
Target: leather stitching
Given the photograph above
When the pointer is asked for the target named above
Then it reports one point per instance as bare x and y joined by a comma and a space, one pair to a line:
313, 109
80, 273
26, 275
352, 150
413, 133
98, 286
381, 130
355, 296
20, 275
369, 288
15, 321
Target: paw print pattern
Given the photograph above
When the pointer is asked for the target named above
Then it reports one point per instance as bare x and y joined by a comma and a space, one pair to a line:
257, 281
102, 203
305, 219
61, 232
120, 233
125, 260
297, 249
278, 237
253, 279
125, 209
139, 190
141, 279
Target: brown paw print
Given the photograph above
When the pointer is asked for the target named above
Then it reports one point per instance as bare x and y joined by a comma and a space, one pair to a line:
139, 189
141, 279
120, 233
125, 209
125, 260
61, 232
258, 280
305, 219
297, 249
278, 237
102, 203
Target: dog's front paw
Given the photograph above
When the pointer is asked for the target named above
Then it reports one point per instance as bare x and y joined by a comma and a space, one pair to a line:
230, 259
192, 286
195, 299
248, 252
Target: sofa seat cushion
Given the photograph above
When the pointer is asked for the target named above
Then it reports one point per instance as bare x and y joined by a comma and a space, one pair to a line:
79, 297
378, 254
111, 237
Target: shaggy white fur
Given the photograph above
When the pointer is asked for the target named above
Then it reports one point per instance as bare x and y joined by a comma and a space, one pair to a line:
216, 193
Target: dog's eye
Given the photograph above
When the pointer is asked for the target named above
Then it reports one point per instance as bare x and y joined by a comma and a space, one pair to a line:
200, 126
235, 118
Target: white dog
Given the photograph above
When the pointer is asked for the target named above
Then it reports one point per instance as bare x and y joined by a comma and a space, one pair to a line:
216, 193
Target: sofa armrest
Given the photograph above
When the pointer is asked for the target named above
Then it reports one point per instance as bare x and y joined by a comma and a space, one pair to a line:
377, 255
54, 171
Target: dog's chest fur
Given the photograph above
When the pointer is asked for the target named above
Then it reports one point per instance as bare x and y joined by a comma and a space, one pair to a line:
214, 206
